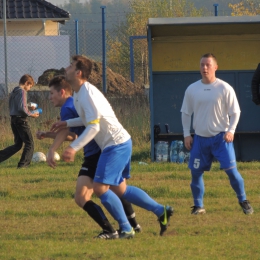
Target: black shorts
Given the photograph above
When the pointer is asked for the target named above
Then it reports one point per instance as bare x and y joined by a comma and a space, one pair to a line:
89, 165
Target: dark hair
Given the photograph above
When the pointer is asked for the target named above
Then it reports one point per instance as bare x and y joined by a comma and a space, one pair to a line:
59, 82
210, 55
26, 78
83, 64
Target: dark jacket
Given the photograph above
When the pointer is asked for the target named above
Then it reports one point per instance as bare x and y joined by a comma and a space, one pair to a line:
18, 103
255, 86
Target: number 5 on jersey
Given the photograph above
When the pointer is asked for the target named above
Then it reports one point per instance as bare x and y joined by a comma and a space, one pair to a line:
196, 164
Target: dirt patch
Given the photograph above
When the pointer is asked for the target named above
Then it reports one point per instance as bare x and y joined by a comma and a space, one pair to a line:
116, 83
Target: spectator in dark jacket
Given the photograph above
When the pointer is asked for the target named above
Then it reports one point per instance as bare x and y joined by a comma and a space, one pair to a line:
255, 86
19, 112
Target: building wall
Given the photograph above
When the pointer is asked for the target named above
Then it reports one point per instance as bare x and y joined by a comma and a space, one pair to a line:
33, 28
175, 65
182, 53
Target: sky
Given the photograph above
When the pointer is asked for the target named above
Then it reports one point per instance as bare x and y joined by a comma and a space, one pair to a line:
61, 2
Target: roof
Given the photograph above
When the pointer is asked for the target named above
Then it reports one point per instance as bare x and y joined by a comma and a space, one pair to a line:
204, 25
28, 10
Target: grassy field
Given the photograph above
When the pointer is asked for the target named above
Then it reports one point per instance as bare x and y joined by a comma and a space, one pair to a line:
40, 220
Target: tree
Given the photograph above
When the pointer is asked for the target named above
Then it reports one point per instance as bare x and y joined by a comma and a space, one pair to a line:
136, 20
245, 7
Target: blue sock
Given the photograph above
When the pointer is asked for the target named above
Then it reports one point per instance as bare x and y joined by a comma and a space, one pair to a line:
142, 199
114, 206
237, 183
197, 188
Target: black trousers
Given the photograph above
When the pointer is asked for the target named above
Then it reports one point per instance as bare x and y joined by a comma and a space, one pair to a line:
22, 134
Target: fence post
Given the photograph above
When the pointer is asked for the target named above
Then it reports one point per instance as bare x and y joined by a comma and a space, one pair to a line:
216, 9
104, 76
5, 46
77, 35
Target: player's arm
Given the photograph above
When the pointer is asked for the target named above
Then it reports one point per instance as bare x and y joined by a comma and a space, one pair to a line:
186, 121
87, 135
233, 121
48, 134
59, 139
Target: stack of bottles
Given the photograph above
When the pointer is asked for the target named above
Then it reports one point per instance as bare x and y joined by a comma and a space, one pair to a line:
38, 110
162, 151
177, 154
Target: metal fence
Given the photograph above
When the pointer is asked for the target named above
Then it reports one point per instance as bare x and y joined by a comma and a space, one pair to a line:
36, 54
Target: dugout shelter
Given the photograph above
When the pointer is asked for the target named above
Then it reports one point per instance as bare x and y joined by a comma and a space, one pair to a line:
175, 46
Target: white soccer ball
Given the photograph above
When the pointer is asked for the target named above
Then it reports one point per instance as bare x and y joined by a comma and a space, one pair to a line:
39, 157
56, 156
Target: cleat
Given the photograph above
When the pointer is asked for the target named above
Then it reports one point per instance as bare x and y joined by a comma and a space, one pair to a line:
138, 229
124, 234
197, 210
247, 208
164, 219
107, 235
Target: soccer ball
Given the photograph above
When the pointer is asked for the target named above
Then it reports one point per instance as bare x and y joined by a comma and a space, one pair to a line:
39, 157
56, 156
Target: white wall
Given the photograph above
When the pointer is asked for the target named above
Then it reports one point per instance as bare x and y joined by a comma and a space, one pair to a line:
32, 55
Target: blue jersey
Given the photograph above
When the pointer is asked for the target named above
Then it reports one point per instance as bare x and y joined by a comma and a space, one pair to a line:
68, 111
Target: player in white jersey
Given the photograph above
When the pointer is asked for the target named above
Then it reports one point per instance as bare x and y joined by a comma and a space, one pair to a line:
216, 112
96, 114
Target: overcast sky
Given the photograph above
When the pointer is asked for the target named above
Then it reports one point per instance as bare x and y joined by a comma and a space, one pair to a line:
61, 2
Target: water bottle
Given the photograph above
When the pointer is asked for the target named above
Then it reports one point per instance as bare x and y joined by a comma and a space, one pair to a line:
38, 110
173, 151
158, 151
165, 148
31, 104
167, 129
181, 157
187, 157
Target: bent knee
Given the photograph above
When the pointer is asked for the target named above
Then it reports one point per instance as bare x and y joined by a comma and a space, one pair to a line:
81, 199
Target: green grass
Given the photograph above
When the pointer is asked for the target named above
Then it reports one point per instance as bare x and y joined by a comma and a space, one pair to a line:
40, 220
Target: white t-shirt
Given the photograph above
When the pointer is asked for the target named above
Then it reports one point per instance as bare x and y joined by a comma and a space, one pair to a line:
91, 105
211, 106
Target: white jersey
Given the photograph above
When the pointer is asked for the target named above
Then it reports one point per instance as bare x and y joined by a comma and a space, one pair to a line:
91, 106
211, 106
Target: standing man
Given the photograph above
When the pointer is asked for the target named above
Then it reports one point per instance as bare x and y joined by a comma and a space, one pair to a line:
19, 113
96, 114
60, 96
255, 86
216, 112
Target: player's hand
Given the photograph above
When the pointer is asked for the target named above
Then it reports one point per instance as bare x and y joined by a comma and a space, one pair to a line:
58, 126
228, 137
35, 115
50, 159
188, 140
69, 154
40, 135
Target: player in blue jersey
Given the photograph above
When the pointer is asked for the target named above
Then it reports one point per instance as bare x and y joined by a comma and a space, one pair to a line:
60, 96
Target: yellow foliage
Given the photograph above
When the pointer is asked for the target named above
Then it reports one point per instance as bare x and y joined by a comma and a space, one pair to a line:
245, 7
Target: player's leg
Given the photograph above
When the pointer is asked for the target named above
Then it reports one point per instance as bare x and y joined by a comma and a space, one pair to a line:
27, 138
129, 211
200, 160
225, 154
83, 194
17, 146
136, 195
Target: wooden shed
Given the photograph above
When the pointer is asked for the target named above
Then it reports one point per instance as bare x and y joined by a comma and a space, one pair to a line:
175, 48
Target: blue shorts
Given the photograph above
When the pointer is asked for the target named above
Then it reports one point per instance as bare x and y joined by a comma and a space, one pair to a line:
205, 149
114, 164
